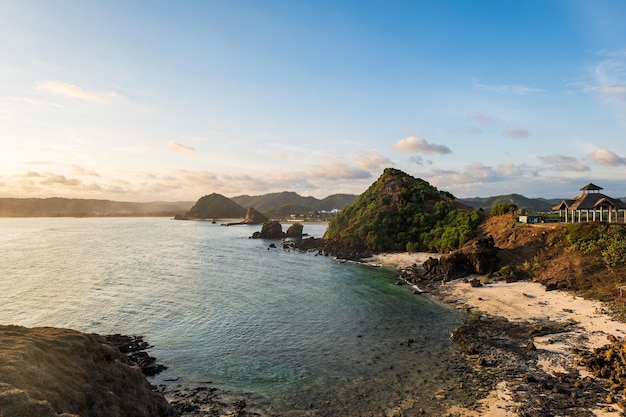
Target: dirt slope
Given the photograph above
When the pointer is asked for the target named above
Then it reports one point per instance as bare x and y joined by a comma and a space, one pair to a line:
539, 252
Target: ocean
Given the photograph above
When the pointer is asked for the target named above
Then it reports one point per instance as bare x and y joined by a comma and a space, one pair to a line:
294, 333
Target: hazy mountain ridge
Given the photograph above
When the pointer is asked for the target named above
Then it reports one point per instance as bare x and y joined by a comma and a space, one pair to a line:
530, 204
272, 204
77, 207
267, 202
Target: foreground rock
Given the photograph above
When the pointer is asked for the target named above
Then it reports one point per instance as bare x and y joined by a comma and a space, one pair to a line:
502, 350
477, 257
51, 372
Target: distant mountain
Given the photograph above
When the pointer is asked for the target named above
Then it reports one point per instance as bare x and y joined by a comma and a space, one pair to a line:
530, 204
267, 203
76, 207
215, 206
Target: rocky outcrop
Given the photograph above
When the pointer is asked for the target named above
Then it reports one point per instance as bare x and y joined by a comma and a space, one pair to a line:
254, 217
336, 248
477, 257
609, 362
270, 230
295, 230
58, 372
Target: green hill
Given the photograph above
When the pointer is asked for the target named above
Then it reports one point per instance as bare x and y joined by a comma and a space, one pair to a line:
530, 204
215, 206
268, 203
399, 212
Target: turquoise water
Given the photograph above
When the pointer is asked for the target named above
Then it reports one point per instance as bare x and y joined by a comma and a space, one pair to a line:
302, 334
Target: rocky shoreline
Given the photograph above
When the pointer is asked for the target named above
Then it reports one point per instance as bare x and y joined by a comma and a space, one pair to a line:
509, 360
507, 368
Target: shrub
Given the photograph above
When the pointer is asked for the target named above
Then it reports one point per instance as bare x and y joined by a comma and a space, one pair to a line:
503, 208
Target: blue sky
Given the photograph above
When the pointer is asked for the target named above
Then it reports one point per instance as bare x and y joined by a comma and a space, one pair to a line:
162, 100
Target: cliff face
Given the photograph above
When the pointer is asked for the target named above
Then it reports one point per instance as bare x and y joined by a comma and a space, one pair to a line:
50, 372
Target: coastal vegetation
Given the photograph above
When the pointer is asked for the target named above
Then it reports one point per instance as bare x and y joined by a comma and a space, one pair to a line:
606, 241
503, 208
401, 213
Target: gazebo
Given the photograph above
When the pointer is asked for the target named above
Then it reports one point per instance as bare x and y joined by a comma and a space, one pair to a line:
593, 205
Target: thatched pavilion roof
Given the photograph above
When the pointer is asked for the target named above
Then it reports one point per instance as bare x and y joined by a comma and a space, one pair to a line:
590, 201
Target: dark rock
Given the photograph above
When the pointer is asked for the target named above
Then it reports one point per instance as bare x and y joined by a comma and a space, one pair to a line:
477, 257
295, 230
475, 282
135, 349
270, 230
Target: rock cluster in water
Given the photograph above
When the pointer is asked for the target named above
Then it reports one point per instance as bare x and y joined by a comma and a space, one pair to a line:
274, 230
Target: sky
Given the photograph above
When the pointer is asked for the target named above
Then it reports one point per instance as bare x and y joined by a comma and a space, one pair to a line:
172, 100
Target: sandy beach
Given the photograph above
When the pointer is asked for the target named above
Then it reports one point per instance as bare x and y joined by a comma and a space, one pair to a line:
525, 301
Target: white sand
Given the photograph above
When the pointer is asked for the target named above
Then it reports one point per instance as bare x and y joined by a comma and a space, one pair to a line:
526, 301
401, 260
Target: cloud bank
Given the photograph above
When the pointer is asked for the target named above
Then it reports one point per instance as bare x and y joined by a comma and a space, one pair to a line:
72, 91
420, 145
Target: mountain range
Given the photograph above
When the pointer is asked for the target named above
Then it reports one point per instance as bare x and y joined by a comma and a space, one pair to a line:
273, 205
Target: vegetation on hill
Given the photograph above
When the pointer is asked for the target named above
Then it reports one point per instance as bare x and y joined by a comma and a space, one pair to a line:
530, 204
503, 208
215, 206
286, 210
267, 202
606, 241
399, 212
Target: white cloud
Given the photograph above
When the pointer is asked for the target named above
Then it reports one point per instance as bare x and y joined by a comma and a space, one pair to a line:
332, 168
516, 133
418, 160
563, 163
415, 144
72, 91
609, 77
605, 156
179, 147
372, 161
481, 117
78, 170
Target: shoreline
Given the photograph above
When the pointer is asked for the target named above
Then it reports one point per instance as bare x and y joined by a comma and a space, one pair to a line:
589, 324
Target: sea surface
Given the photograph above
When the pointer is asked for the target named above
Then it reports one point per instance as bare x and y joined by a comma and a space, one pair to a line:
294, 333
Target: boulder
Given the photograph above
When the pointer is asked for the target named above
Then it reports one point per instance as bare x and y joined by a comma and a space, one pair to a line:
295, 230
477, 257
270, 230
